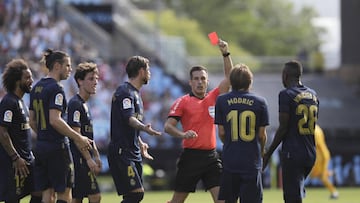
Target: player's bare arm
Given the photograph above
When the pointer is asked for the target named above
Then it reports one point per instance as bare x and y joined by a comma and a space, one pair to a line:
135, 123
279, 135
263, 137
87, 156
20, 165
144, 149
63, 128
96, 154
32, 122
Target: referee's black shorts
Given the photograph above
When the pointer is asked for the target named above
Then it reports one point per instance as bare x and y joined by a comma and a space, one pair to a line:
195, 165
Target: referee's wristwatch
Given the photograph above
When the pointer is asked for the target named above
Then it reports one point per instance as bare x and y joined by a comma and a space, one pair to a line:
226, 54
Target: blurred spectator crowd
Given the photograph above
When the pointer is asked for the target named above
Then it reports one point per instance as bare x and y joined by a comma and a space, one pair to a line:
28, 27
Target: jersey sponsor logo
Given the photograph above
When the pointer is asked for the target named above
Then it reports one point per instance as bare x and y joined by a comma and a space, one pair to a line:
212, 111
8, 116
126, 103
76, 116
59, 98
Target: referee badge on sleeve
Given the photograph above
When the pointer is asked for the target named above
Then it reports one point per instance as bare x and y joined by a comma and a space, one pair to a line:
212, 111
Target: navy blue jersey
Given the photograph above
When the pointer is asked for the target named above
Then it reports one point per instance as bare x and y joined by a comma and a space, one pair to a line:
78, 115
126, 102
14, 115
47, 94
241, 114
302, 105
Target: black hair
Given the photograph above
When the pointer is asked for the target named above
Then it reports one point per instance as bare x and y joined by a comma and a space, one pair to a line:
84, 68
134, 64
197, 68
13, 72
293, 68
50, 57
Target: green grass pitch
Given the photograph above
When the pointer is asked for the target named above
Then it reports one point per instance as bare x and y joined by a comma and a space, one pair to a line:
314, 195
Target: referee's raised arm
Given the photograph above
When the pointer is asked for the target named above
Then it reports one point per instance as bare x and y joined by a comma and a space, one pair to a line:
224, 85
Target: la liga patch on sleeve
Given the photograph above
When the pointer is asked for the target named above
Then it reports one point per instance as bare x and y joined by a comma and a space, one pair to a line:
59, 99
76, 117
8, 115
126, 103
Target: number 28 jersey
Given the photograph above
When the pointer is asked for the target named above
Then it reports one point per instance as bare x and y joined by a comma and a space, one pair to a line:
302, 105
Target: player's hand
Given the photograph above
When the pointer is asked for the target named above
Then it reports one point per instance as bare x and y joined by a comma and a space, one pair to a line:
144, 151
84, 143
98, 162
223, 46
149, 130
94, 168
21, 167
190, 134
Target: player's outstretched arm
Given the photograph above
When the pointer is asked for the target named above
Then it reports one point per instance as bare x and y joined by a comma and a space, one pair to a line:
135, 123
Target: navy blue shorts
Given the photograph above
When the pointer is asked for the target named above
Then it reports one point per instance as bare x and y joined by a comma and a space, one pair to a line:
127, 175
195, 165
14, 188
54, 169
85, 181
293, 174
246, 187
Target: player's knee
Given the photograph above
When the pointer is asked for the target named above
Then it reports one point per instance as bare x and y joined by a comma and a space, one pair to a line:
133, 197
94, 198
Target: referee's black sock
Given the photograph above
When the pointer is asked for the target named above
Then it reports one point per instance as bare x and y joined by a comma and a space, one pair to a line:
35, 199
60, 201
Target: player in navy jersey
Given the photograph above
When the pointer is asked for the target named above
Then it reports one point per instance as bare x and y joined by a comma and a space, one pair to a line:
16, 158
79, 118
242, 118
53, 165
126, 146
298, 114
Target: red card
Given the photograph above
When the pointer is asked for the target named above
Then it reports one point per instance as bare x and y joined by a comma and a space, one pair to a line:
214, 39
